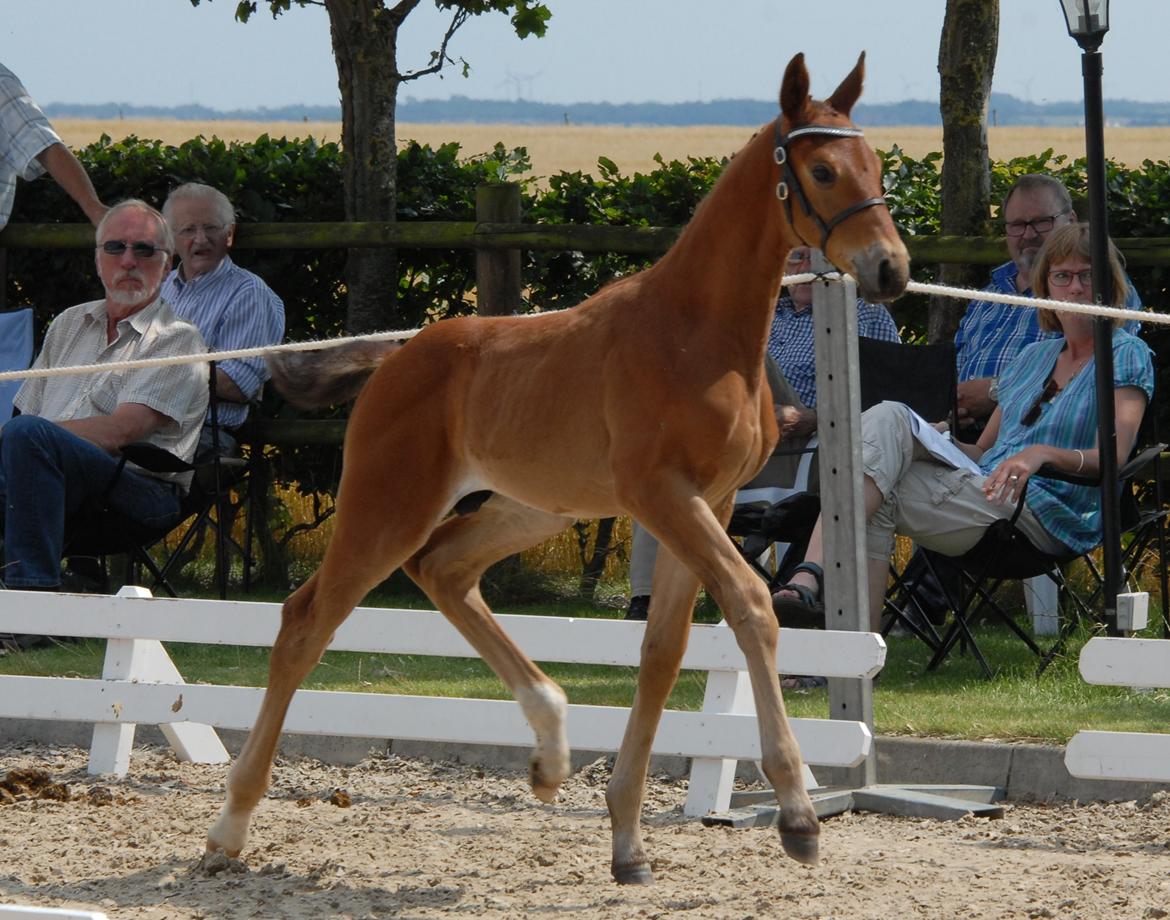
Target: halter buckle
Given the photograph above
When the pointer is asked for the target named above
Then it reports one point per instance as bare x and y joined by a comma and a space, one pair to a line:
782, 190
780, 155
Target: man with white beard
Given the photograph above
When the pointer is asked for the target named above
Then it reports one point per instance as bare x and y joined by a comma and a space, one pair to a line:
64, 448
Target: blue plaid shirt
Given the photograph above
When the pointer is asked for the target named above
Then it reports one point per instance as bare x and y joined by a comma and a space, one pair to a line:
992, 334
791, 344
1070, 513
232, 308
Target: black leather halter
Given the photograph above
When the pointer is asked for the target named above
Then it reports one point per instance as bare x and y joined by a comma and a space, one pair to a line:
790, 183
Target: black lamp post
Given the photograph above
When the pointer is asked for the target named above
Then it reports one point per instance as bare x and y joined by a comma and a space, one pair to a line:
1088, 21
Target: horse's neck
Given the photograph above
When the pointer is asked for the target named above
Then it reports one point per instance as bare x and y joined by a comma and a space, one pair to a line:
726, 266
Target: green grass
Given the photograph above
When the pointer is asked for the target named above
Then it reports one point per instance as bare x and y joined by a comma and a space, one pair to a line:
954, 702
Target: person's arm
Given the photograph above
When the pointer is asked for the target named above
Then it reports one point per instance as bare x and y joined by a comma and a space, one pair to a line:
128, 423
1129, 405
975, 400
68, 172
226, 389
795, 422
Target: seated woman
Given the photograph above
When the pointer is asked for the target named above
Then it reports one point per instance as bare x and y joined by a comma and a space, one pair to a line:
1047, 414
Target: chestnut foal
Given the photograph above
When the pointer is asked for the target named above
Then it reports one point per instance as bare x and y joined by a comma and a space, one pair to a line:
648, 399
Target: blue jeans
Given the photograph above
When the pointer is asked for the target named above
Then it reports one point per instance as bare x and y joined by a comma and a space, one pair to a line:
46, 474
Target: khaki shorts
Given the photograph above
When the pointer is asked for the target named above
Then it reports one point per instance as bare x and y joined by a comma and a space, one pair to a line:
941, 508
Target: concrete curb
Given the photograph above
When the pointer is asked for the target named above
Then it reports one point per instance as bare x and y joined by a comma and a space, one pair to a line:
1029, 772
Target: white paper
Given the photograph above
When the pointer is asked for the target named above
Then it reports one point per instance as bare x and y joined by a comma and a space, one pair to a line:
940, 446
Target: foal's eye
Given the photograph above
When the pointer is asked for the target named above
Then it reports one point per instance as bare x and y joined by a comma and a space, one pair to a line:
822, 174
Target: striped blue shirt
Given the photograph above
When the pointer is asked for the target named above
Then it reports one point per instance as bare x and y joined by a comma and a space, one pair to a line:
1070, 513
991, 334
232, 308
792, 346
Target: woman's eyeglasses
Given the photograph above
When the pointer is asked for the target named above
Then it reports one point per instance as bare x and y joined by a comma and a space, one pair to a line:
1049, 391
140, 249
1064, 279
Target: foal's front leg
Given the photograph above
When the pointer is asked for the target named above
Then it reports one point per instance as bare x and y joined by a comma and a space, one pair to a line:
672, 599
696, 536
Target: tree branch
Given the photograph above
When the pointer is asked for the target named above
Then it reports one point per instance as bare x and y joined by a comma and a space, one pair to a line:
439, 58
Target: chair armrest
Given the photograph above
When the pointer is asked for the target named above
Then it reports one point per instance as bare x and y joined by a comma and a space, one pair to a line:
154, 458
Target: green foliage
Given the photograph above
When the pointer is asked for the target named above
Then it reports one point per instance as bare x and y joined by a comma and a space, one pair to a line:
281, 180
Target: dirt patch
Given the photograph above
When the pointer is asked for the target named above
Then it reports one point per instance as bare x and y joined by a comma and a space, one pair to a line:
420, 839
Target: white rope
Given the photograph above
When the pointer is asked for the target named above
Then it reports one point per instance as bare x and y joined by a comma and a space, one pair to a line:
1015, 300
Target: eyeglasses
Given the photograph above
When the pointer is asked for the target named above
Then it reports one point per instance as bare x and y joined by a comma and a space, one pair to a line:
192, 230
1049, 391
140, 249
797, 258
1039, 225
1064, 279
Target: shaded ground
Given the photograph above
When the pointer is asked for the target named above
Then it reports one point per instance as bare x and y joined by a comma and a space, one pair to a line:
421, 839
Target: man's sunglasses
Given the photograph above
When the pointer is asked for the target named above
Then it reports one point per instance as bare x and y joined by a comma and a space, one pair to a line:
140, 249
1050, 390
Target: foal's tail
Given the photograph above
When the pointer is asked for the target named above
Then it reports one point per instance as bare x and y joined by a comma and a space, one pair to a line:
326, 376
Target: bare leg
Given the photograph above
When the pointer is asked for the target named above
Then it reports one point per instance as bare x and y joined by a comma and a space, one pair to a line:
448, 569
877, 570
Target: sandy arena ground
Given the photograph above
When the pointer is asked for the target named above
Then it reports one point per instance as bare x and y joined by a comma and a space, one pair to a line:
420, 840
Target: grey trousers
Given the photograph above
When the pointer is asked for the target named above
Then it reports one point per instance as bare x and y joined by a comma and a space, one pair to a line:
941, 508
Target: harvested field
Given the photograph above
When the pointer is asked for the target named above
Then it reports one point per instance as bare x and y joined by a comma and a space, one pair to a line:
557, 148
424, 840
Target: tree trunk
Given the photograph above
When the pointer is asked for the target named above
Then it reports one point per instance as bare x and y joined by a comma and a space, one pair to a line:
966, 62
365, 36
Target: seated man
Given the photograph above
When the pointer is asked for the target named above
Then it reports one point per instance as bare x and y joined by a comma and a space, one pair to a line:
231, 307
63, 450
991, 334
792, 376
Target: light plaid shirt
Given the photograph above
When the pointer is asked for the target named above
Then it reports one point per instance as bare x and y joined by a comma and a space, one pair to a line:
992, 334
792, 346
233, 308
24, 133
178, 391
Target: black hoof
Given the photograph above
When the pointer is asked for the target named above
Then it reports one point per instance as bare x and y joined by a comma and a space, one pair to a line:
639, 874
801, 846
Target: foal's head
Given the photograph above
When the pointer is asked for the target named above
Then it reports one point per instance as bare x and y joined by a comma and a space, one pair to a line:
831, 184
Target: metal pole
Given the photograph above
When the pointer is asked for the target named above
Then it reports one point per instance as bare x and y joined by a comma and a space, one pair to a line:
1102, 332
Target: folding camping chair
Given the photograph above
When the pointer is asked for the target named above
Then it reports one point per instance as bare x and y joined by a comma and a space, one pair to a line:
99, 531
16, 353
1005, 554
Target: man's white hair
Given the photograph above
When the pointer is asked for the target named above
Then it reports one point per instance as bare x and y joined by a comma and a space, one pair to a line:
223, 207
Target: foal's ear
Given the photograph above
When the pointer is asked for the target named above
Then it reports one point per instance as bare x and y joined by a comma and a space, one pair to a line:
847, 93
794, 89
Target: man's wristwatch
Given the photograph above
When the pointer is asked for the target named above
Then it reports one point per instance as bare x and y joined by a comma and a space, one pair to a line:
993, 390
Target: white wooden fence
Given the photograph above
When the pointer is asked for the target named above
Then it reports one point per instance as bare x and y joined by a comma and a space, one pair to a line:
1122, 755
140, 684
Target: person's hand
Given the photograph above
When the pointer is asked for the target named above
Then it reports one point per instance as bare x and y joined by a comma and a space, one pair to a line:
1007, 481
794, 422
974, 403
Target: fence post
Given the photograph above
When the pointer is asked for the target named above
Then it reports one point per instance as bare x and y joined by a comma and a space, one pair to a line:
497, 271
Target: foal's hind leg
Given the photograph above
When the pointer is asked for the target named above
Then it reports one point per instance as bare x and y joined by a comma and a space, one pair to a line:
367, 546
448, 569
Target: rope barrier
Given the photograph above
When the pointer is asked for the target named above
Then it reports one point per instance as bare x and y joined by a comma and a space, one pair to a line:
1015, 300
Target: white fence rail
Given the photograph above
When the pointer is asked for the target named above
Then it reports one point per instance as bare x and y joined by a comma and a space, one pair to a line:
1142, 756
140, 684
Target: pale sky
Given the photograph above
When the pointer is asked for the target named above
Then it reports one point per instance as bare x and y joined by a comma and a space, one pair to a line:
166, 52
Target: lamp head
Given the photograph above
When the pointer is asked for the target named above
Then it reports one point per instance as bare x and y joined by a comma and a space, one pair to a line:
1087, 21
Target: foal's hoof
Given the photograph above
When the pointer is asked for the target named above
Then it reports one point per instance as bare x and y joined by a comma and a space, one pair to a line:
544, 787
802, 846
636, 874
